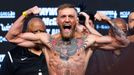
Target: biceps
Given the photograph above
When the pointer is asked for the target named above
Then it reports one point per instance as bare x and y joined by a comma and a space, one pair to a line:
107, 47
17, 40
26, 44
104, 39
28, 36
111, 46
23, 42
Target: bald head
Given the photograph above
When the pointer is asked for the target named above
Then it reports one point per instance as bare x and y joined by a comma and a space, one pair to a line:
36, 24
121, 23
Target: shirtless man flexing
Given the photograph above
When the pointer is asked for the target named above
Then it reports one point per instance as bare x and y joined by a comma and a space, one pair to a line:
68, 52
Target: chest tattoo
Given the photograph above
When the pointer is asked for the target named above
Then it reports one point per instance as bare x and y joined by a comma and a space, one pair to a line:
67, 48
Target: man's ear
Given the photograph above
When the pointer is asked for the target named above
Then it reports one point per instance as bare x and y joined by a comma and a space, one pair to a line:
77, 19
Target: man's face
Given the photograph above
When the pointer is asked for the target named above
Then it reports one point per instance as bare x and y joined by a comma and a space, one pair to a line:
131, 21
67, 21
37, 27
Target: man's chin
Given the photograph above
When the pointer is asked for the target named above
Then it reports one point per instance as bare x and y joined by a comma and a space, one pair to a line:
66, 37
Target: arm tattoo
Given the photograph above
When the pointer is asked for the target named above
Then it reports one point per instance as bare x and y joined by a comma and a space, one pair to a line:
117, 31
85, 45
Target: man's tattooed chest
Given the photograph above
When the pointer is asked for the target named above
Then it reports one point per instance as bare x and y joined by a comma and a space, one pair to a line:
67, 48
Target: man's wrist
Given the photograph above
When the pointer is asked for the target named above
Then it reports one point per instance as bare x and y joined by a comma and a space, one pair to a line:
24, 14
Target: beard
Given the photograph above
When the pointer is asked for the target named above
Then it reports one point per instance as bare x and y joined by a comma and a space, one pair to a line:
67, 31
67, 36
131, 31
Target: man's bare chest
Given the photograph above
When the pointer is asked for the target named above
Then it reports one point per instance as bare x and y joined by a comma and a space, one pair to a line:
67, 49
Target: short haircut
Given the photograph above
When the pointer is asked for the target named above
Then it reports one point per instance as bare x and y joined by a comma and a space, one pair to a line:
66, 5
30, 22
132, 11
119, 20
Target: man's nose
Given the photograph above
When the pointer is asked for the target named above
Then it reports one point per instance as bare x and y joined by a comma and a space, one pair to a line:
38, 31
67, 19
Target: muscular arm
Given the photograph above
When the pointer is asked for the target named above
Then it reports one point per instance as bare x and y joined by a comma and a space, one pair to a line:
94, 40
113, 45
15, 32
119, 35
92, 30
119, 39
116, 42
108, 43
89, 24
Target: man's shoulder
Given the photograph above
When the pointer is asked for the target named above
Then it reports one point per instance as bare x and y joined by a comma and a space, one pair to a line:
92, 35
56, 36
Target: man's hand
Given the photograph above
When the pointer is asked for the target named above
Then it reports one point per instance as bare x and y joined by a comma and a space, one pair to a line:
43, 37
86, 17
101, 17
34, 10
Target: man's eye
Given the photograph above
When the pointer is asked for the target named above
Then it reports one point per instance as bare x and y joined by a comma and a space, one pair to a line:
71, 16
38, 31
62, 16
131, 20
